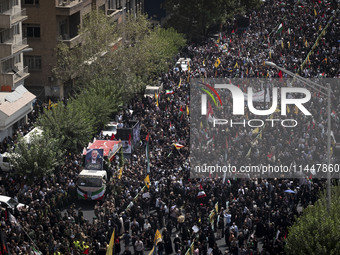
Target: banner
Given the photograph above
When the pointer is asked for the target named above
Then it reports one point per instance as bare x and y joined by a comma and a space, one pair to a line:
94, 159
127, 147
258, 96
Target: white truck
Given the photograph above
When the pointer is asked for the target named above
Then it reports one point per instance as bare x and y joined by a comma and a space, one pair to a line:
91, 184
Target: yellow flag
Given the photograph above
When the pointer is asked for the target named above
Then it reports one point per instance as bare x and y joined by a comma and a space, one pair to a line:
147, 181
270, 54
306, 44
180, 82
288, 45
151, 252
216, 207
315, 13
256, 130
203, 62
236, 65
282, 45
156, 96
277, 110
217, 62
201, 125
288, 109
218, 40
158, 237
296, 110
248, 154
120, 173
187, 110
109, 250
49, 104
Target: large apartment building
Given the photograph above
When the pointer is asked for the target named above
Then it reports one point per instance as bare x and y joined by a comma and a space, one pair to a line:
15, 101
50, 21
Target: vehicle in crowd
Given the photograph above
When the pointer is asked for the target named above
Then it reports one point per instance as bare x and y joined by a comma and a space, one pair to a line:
183, 64
9, 202
151, 91
110, 128
35, 131
91, 184
5, 165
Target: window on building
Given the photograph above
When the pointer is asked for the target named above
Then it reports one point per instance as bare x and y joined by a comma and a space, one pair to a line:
6, 35
31, 30
16, 29
29, 1
111, 5
33, 62
118, 4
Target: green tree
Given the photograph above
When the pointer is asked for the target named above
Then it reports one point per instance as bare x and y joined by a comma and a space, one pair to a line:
195, 17
37, 158
317, 230
71, 125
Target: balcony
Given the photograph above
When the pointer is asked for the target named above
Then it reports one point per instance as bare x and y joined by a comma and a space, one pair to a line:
13, 46
69, 7
8, 18
14, 76
71, 42
114, 14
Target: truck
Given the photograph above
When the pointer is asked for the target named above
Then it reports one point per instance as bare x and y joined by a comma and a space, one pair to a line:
91, 184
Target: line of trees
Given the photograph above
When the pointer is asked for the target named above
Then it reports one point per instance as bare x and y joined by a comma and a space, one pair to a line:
104, 80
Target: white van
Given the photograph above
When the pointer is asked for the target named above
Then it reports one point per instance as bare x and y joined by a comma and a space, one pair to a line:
5, 165
150, 91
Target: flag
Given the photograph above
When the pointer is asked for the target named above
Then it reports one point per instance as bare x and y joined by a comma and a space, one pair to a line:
270, 56
180, 82
129, 139
217, 62
289, 31
147, 181
169, 92
315, 13
181, 111
147, 154
156, 96
201, 194
288, 109
288, 45
178, 146
296, 110
120, 173
279, 29
188, 110
306, 44
112, 136
201, 125
158, 237
236, 65
248, 154
256, 131
49, 104
152, 251
280, 74
216, 207
233, 32
109, 250
282, 45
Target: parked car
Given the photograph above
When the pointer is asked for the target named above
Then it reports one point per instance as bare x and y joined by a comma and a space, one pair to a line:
8, 202
150, 91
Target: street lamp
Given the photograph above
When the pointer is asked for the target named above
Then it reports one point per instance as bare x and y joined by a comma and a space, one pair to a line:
318, 88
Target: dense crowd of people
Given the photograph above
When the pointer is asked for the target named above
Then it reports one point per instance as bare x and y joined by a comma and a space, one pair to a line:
251, 215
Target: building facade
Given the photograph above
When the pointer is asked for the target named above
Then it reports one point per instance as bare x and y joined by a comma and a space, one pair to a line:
15, 101
58, 20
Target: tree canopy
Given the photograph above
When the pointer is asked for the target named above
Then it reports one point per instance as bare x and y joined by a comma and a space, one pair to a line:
317, 230
36, 158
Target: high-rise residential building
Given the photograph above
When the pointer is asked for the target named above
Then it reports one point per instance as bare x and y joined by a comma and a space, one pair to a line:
58, 20
15, 101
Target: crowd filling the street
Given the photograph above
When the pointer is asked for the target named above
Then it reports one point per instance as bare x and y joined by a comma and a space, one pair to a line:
231, 215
